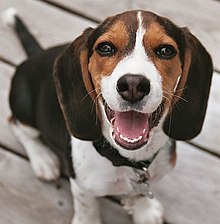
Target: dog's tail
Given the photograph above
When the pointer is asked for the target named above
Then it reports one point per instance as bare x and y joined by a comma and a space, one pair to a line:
29, 43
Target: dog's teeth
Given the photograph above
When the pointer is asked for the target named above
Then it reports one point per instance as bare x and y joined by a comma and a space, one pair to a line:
112, 120
118, 129
144, 131
134, 140
140, 137
130, 140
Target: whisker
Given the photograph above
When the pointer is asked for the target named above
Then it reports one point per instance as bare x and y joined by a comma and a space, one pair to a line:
185, 87
88, 94
94, 105
181, 98
174, 95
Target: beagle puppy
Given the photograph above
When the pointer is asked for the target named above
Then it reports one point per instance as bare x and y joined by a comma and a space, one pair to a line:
118, 97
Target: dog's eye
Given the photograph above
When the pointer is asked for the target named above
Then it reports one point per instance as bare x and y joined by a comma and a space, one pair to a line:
166, 52
105, 49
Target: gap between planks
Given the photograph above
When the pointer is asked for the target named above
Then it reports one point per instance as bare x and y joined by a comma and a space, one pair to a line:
71, 11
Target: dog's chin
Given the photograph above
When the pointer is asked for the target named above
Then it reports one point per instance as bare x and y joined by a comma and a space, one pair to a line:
131, 129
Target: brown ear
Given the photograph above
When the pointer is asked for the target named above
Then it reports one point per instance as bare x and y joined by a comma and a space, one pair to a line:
73, 85
185, 120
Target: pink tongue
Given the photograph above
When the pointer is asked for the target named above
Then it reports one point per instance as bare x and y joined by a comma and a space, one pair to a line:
131, 124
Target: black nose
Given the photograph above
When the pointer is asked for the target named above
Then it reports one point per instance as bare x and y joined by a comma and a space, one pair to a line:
133, 88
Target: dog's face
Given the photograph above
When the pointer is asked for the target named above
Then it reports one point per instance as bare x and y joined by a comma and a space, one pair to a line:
134, 67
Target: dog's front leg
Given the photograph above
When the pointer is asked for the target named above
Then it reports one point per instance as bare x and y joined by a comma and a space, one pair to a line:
144, 210
86, 208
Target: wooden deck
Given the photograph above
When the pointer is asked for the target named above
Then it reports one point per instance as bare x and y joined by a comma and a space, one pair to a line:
190, 194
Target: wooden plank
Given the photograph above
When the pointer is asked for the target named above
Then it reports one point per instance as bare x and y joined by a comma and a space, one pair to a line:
25, 199
202, 17
49, 25
209, 137
190, 193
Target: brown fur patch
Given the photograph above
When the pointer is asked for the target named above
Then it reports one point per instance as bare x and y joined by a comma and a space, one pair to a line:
11, 119
173, 156
170, 69
86, 76
103, 66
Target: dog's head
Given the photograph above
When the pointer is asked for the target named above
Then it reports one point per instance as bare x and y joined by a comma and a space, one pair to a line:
132, 73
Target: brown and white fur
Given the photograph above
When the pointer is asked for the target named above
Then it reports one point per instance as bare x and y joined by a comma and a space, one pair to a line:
135, 63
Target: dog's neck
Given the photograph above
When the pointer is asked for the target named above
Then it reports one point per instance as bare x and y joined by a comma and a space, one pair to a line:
104, 148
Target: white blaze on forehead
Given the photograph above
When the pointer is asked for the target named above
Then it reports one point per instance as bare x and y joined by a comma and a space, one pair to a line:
139, 35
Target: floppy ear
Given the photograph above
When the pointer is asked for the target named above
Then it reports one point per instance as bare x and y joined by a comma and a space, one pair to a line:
73, 84
185, 120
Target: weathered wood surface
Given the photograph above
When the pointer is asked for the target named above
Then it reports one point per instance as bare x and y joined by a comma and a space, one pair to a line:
26, 200
190, 194
200, 16
192, 189
51, 26
186, 193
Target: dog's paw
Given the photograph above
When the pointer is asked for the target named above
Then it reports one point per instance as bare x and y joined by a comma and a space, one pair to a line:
148, 211
46, 165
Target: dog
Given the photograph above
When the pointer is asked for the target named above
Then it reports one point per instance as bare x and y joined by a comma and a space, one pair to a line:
118, 97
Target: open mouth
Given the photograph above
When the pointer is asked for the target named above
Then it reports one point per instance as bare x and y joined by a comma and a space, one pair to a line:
131, 129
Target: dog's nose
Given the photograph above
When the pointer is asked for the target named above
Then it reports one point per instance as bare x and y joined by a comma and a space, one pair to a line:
133, 88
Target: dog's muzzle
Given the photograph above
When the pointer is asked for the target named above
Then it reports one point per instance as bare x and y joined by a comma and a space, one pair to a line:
131, 128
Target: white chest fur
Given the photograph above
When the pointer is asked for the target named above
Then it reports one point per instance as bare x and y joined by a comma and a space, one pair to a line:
98, 177
96, 174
